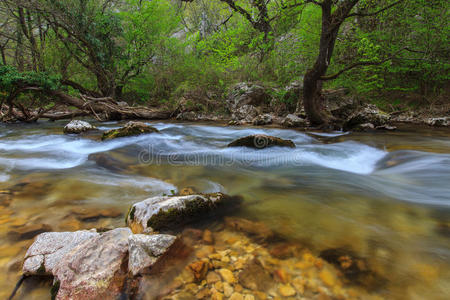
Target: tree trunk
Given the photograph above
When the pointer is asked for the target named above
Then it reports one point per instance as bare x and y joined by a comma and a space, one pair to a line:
312, 86
312, 82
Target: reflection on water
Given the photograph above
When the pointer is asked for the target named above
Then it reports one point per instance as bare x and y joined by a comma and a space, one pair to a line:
386, 196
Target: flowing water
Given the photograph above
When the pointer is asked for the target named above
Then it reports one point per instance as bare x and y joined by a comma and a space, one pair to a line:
384, 195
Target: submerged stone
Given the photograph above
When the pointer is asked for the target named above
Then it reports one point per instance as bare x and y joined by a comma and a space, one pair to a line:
146, 250
108, 162
6, 197
255, 277
257, 230
164, 212
49, 248
261, 141
130, 129
27, 232
77, 126
94, 214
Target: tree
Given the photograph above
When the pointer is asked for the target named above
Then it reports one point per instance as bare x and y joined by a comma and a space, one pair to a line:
258, 14
334, 14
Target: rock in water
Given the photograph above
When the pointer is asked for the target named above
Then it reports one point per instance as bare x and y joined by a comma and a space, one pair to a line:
292, 120
163, 212
130, 129
95, 269
49, 248
261, 141
145, 250
255, 277
256, 230
77, 126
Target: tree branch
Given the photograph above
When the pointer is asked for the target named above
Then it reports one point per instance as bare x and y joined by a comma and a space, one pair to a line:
376, 12
357, 64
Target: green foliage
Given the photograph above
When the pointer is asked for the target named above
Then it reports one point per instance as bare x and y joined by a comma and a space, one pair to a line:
157, 51
11, 78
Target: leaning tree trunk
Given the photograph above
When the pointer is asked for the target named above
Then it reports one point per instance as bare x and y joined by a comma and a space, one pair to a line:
312, 82
312, 85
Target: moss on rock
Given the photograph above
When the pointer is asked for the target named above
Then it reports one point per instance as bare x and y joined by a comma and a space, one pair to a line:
161, 213
130, 129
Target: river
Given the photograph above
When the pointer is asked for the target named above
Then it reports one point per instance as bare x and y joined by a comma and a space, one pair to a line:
385, 195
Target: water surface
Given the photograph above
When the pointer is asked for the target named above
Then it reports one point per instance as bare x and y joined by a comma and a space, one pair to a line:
384, 195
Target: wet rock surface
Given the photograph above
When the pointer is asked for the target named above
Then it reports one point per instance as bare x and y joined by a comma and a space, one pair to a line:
94, 269
49, 248
165, 212
145, 250
260, 141
77, 126
130, 129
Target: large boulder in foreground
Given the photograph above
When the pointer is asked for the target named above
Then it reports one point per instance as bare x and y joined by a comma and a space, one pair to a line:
49, 248
146, 250
130, 129
95, 269
261, 141
164, 212
77, 126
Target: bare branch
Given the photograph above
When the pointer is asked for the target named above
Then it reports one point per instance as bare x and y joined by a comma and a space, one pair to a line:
358, 64
376, 12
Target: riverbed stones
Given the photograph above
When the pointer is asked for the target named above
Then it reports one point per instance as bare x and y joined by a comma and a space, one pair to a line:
261, 141
170, 212
130, 129
77, 126
199, 269
255, 277
146, 250
49, 248
96, 268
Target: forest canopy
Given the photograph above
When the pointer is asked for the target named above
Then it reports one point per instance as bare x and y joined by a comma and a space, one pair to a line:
152, 53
